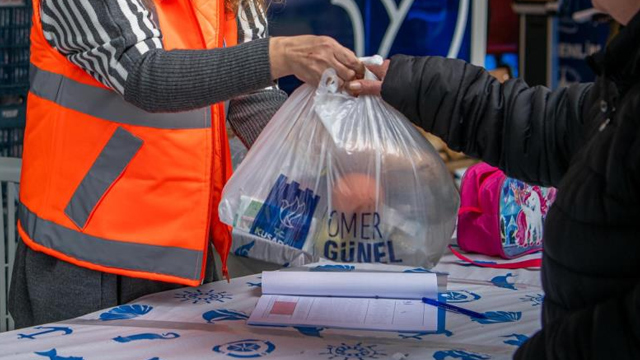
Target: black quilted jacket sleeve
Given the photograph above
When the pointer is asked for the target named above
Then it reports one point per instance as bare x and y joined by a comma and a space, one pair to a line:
531, 133
608, 330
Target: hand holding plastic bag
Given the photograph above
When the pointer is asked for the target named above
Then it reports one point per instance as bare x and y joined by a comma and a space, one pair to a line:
340, 177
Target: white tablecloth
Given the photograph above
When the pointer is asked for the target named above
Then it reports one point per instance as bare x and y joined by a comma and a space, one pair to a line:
209, 322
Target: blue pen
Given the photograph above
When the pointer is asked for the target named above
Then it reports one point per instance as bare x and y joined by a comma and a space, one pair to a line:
452, 308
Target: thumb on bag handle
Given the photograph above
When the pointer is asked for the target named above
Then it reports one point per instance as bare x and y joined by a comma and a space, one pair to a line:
330, 83
375, 60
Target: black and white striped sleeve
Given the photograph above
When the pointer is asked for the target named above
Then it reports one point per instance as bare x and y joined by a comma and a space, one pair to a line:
105, 38
250, 113
252, 22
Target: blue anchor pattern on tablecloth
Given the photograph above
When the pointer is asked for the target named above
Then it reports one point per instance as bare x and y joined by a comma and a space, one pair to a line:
536, 300
519, 339
420, 335
124, 312
501, 281
146, 336
333, 268
53, 355
46, 330
224, 315
459, 354
244, 249
255, 284
497, 317
309, 330
460, 296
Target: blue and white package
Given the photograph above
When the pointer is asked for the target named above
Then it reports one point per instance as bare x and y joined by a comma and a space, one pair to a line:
344, 178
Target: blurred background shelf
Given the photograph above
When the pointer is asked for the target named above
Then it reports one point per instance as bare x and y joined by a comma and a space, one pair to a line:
15, 24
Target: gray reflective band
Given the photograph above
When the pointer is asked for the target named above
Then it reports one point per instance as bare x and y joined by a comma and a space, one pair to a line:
179, 262
111, 162
108, 105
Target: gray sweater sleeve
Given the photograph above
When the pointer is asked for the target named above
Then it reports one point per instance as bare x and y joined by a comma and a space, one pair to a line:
179, 80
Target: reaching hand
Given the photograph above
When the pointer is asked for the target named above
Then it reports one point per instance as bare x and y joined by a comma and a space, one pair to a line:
370, 87
308, 56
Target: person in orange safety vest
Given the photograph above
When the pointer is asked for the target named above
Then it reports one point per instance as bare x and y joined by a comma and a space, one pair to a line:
125, 148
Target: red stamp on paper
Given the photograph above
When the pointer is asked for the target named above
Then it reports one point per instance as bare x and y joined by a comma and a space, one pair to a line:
283, 308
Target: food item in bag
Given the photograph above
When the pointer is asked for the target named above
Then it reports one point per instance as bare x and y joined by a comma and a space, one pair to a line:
356, 192
343, 178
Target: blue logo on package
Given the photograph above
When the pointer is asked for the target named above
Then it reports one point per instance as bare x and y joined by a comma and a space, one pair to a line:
286, 214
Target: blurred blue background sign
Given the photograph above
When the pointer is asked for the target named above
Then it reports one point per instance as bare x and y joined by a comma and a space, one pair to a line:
576, 41
384, 27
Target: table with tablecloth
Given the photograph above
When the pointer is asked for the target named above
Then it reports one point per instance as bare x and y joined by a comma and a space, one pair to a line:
209, 322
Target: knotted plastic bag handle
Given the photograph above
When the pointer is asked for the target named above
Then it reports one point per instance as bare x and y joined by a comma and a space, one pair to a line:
329, 82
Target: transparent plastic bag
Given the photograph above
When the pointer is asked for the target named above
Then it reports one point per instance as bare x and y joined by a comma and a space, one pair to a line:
344, 178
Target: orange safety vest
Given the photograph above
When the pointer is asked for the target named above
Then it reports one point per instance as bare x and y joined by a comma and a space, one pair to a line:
110, 187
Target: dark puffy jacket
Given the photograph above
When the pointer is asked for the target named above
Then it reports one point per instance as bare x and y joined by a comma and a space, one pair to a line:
584, 140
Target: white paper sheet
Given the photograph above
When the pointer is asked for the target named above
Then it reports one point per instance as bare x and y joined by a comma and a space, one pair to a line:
340, 312
355, 300
350, 284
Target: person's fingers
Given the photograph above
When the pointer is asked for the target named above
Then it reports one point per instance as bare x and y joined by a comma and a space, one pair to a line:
379, 70
345, 73
376, 70
308, 56
365, 87
360, 70
347, 58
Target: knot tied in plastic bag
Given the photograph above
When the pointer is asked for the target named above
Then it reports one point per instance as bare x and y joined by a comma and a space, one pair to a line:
344, 178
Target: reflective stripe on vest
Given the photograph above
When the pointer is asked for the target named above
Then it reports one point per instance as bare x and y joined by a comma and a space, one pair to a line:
108, 105
109, 165
179, 262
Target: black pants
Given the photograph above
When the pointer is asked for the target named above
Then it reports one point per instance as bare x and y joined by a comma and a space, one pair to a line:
45, 289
